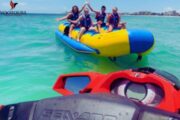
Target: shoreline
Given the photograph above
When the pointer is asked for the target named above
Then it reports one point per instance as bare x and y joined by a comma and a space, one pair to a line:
10, 13
63, 14
152, 15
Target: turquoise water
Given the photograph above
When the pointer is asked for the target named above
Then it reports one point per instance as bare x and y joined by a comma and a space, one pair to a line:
31, 58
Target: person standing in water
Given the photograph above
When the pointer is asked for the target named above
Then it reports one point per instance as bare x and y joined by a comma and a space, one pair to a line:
86, 23
100, 16
114, 21
73, 15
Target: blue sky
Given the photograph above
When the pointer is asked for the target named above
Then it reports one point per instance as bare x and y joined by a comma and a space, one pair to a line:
59, 6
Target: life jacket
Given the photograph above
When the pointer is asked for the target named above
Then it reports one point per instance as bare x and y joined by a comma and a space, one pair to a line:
101, 17
114, 19
86, 21
74, 16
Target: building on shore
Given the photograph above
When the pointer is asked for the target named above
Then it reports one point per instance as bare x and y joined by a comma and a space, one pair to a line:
167, 13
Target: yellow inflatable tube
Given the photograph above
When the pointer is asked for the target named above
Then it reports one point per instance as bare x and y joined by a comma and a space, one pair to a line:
116, 43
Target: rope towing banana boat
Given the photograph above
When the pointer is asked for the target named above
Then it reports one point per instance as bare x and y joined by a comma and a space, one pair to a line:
112, 44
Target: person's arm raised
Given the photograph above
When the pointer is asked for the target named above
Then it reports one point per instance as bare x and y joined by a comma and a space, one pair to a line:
91, 8
82, 8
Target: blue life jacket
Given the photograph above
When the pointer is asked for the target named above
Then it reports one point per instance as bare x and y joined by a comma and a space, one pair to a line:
74, 16
86, 21
114, 20
101, 17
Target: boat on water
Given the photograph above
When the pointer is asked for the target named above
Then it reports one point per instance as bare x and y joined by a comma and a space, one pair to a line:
117, 43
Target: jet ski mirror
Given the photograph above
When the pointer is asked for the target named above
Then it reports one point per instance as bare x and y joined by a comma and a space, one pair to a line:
75, 84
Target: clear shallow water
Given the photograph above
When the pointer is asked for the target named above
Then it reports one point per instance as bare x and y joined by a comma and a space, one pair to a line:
31, 58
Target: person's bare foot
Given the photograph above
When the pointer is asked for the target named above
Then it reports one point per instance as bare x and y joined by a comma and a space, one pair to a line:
69, 35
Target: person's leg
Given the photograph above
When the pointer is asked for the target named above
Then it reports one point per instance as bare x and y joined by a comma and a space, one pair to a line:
139, 58
99, 24
93, 28
70, 29
81, 32
122, 25
110, 28
98, 27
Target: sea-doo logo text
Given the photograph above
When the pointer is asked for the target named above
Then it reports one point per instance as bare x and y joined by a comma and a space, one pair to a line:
49, 114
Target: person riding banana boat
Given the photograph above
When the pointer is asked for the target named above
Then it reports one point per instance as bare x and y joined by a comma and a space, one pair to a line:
114, 21
100, 16
85, 23
108, 26
73, 15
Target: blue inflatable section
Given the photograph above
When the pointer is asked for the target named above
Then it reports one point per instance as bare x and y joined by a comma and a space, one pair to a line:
75, 44
140, 40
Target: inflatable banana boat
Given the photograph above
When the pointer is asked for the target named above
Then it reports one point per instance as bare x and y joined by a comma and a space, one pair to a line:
112, 44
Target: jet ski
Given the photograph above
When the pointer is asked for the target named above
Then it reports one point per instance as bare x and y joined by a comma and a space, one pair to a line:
135, 94
148, 86
84, 107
